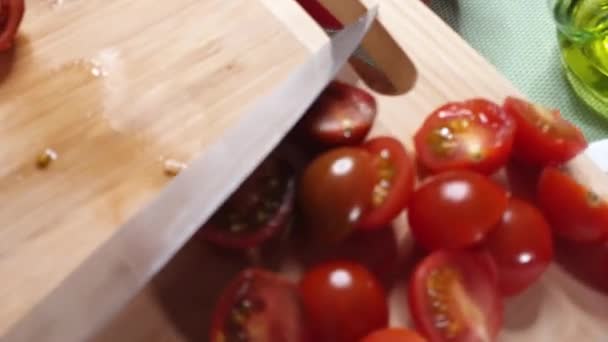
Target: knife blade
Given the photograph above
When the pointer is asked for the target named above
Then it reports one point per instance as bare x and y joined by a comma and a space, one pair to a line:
122, 266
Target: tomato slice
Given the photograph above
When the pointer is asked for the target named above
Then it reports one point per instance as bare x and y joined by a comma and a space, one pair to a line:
258, 306
542, 136
320, 14
521, 245
475, 135
394, 184
393, 335
454, 296
455, 209
342, 115
11, 14
574, 212
257, 211
343, 302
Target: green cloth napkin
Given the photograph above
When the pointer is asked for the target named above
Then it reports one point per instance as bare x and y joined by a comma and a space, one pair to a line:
518, 37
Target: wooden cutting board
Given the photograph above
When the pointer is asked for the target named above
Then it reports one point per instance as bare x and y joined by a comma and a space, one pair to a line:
119, 88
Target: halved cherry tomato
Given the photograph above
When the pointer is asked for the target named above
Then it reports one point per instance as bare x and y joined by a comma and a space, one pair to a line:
574, 212
454, 296
341, 115
394, 184
521, 245
11, 14
475, 135
258, 210
455, 209
335, 191
542, 136
393, 335
258, 306
343, 302
320, 14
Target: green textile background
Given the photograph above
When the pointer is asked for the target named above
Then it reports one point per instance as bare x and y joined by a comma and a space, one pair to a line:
518, 37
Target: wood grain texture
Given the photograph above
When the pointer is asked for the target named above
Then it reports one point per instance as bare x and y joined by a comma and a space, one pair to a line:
173, 96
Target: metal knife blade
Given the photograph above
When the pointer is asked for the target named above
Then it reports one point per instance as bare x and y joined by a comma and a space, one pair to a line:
123, 265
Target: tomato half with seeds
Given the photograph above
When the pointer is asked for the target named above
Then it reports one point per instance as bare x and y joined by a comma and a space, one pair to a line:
574, 211
343, 302
342, 115
521, 246
258, 306
455, 209
394, 182
11, 14
258, 210
453, 296
542, 136
475, 135
393, 335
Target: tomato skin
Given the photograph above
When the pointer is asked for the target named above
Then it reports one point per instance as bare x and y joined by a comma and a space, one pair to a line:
542, 136
334, 192
274, 312
455, 209
321, 15
521, 245
472, 302
574, 212
588, 262
11, 14
390, 158
393, 335
473, 135
343, 302
342, 115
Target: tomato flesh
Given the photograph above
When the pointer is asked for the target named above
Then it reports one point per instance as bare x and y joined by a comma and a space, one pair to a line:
343, 302
334, 192
258, 306
454, 296
542, 136
574, 212
474, 134
257, 211
521, 245
393, 335
394, 183
455, 209
11, 14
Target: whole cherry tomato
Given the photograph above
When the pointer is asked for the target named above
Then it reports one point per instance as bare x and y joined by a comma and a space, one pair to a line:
393, 335
542, 136
343, 302
11, 14
475, 135
394, 183
455, 209
335, 191
259, 306
454, 297
574, 212
521, 245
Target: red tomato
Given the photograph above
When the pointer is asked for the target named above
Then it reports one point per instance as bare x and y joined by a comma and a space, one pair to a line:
574, 212
342, 115
588, 262
335, 191
475, 135
542, 136
454, 296
521, 245
257, 211
393, 335
258, 306
11, 14
455, 209
343, 302
322, 16
394, 184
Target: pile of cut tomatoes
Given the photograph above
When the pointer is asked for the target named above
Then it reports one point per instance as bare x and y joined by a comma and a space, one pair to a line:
478, 237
